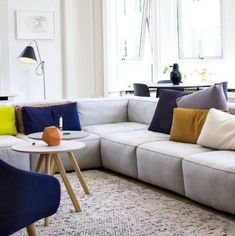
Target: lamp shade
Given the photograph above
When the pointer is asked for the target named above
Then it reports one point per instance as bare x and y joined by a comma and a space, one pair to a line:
28, 56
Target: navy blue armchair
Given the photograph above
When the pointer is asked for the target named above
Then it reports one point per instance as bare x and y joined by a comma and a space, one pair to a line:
25, 197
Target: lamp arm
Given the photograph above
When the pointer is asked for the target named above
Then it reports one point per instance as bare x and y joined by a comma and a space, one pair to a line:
41, 65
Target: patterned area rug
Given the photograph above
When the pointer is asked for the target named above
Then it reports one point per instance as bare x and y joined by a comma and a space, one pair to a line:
123, 207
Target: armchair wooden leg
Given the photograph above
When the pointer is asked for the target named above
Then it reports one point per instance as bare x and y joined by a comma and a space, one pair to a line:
48, 172
31, 229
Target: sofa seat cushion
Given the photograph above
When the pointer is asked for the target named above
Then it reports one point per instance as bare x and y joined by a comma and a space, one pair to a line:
160, 163
209, 178
16, 159
103, 129
118, 150
87, 157
9, 140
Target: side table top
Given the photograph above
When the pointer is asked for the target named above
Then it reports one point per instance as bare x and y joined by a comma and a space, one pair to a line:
41, 147
67, 135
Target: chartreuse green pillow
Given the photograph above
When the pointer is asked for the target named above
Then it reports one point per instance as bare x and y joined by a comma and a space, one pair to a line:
7, 120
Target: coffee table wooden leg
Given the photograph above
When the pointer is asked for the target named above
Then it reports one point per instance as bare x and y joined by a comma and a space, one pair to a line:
78, 172
52, 166
48, 164
39, 163
48, 172
31, 229
66, 182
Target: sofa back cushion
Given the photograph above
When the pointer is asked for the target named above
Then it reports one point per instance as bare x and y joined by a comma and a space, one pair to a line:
141, 110
102, 110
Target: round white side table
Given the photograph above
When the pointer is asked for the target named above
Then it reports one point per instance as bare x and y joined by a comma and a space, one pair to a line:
50, 156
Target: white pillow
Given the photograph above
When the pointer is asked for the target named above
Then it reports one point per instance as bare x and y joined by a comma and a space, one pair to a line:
218, 131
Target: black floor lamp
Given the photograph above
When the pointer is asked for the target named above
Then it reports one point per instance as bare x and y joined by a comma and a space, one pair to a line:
28, 56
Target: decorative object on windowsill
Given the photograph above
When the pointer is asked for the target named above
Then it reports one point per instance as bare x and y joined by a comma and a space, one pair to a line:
28, 56
52, 136
175, 75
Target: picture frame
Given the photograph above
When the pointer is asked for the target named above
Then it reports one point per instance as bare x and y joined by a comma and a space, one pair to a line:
35, 25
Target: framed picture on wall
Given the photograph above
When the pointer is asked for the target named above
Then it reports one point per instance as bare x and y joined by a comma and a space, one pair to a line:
35, 25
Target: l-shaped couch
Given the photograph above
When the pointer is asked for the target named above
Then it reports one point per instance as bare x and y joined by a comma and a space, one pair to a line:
119, 140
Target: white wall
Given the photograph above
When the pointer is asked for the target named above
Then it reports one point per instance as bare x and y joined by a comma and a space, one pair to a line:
74, 64
22, 78
82, 48
4, 48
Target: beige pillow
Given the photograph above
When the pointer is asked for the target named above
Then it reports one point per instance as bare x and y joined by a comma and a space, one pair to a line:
19, 117
218, 131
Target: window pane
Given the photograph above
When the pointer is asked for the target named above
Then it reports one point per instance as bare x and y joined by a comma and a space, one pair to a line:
200, 28
129, 21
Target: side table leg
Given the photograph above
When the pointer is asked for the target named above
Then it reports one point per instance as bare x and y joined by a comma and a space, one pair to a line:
52, 166
39, 163
48, 172
78, 172
66, 182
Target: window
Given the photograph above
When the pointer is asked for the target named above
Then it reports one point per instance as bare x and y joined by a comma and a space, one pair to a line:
128, 56
200, 29
130, 14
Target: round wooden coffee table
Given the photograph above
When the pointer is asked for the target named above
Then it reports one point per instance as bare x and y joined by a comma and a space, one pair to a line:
50, 156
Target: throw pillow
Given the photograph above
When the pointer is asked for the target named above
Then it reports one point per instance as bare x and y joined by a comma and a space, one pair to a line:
7, 121
19, 118
218, 131
69, 114
187, 124
35, 119
162, 118
212, 97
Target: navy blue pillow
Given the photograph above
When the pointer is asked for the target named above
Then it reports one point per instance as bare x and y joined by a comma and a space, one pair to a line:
37, 118
162, 119
69, 114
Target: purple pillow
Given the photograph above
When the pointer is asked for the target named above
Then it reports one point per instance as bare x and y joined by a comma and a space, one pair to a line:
212, 97
162, 118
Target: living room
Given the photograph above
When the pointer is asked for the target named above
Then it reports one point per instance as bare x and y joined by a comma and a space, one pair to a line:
112, 163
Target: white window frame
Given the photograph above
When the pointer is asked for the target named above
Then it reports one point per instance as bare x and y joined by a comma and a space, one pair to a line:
111, 60
180, 35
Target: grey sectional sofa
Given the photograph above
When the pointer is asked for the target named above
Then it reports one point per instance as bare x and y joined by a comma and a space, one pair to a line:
119, 140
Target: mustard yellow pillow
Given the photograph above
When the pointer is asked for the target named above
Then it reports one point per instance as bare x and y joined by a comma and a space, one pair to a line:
187, 124
7, 120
